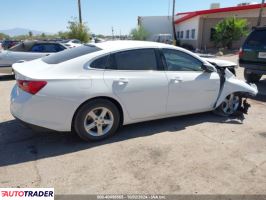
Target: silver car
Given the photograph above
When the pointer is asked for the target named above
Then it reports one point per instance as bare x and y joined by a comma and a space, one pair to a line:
25, 51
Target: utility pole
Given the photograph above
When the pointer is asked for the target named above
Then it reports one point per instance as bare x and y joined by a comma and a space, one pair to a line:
113, 33
260, 13
173, 23
80, 18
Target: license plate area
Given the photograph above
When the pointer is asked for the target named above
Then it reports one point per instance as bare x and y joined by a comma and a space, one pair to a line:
262, 55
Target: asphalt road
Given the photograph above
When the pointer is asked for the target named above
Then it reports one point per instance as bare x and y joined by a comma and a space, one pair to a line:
195, 154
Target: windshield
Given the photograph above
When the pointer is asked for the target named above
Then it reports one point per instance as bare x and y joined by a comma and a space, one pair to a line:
70, 54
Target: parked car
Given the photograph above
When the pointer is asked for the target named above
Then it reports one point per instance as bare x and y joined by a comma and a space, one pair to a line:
7, 44
93, 89
72, 43
252, 55
26, 51
163, 38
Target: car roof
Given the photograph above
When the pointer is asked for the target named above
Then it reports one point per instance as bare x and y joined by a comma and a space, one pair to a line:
129, 44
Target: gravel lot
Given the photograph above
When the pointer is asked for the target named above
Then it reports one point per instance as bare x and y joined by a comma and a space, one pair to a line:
195, 154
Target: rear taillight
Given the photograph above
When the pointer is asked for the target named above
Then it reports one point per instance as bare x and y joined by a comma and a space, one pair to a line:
241, 53
31, 87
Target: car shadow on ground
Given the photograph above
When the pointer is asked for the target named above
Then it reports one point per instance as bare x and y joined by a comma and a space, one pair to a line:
19, 144
6, 77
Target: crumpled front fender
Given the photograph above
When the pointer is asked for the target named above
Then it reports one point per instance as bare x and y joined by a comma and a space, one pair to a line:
233, 85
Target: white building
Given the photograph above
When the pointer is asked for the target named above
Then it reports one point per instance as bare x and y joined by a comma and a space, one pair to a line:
196, 28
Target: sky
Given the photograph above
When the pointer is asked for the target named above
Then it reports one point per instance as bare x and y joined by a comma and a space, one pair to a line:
100, 15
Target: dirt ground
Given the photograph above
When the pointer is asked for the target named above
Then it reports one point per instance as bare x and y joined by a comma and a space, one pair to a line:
195, 154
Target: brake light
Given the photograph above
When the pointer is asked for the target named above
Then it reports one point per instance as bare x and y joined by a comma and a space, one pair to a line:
31, 87
241, 53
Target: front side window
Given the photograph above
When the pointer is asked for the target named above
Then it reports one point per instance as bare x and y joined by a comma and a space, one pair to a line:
180, 61
141, 59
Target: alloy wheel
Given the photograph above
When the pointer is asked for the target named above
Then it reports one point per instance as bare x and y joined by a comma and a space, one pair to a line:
230, 104
98, 121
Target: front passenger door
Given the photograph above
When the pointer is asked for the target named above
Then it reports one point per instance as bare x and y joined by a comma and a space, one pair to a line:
191, 89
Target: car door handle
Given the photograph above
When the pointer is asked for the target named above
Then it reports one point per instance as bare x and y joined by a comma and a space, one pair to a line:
122, 81
176, 80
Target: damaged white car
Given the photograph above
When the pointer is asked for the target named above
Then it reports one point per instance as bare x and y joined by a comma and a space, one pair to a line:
93, 89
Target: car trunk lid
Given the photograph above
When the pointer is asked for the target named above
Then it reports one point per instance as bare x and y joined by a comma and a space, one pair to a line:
36, 69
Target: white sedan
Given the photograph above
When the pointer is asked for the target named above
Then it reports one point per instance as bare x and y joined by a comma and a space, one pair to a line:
93, 89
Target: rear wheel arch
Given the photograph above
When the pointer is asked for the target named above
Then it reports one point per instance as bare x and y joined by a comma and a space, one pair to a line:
114, 101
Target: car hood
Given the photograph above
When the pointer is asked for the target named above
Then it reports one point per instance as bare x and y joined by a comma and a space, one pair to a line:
220, 63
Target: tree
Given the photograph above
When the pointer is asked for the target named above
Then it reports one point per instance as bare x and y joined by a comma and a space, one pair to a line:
139, 33
43, 35
4, 36
229, 30
30, 34
78, 31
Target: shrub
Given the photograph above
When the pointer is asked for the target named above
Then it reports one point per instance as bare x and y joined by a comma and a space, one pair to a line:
229, 30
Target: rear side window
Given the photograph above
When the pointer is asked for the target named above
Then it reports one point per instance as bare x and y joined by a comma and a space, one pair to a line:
70, 54
141, 59
100, 63
257, 38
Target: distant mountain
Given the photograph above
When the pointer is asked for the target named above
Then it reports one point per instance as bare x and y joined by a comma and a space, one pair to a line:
21, 31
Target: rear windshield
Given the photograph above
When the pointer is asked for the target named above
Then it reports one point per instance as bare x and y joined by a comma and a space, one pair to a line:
257, 38
21, 47
70, 54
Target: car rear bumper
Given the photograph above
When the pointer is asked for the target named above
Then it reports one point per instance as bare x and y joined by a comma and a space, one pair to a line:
39, 111
252, 68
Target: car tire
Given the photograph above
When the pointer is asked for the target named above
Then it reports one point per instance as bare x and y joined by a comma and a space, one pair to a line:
96, 120
229, 106
251, 77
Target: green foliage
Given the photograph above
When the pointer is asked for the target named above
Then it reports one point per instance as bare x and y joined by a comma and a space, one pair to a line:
139, 33
63, 35
229, 30
78, 31
4, 36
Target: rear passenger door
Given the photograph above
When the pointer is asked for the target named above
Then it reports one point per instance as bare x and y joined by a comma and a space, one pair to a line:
136, 79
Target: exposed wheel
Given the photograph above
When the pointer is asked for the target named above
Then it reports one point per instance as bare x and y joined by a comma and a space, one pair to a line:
97, 120
251, 77
229, 106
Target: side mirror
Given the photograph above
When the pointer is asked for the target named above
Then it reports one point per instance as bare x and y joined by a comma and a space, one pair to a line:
208, 68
